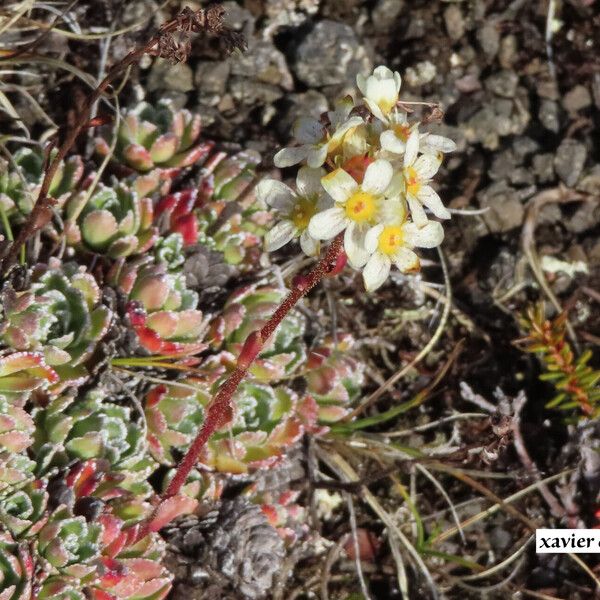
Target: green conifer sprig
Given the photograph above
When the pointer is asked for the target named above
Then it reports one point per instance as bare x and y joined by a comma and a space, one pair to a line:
575, 381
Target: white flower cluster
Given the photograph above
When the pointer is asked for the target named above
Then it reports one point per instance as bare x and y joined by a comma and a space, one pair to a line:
368, 172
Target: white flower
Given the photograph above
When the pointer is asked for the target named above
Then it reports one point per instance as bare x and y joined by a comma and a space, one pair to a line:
296, 207
357, 208
417, 174
431, 143
394, 139
392, 243
380, 91
316, 141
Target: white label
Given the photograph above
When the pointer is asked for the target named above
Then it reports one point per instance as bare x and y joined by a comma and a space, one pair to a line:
563, 541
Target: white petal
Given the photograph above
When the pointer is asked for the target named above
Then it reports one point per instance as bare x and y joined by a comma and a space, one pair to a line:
376, 271
354, 244
429, 197
327, 224
427, 166
377, 177
308, 181
392, 143
309, 245
372, 238
355, 143
308, 130
276, 194
361, 84
280, 235
428, 236
339, 184
393, 211
344, 127
416, 211
412, 148
374, 108
316, 155
287, 157
396, 186
383, 92
406, 260
438, 143
398, 118
383, 72
398, 81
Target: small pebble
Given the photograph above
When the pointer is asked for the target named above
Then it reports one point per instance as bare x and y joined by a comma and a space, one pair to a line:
569, 161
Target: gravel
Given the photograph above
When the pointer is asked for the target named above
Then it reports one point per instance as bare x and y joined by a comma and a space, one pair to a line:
330, 54
569, 161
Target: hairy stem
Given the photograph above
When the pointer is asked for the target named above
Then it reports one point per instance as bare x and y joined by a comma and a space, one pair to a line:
220, 409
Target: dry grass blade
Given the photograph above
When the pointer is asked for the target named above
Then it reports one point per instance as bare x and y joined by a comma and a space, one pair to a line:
420, 356
497, 506
560, 195
346, 473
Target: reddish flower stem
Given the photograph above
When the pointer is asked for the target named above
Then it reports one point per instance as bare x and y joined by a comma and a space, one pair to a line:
220, 409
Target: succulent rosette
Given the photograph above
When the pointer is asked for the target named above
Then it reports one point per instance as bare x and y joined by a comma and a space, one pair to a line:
16, 427
19, 188
69, 545
222, 213
114, 221
23, 512
334, 377
93, 427
247, 310
162, 311
157, 136
264, 425
23, 373
174, 414
60, 316
16, 569
16, 471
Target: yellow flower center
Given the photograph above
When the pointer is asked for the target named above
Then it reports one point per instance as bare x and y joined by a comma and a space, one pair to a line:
413, 185
402, 131
391, 239
386, 105
361, 207
303, 211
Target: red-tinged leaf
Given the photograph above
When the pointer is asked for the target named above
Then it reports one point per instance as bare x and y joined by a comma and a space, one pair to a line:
308, 411
98, 594
138, 157
113, 572
155, 395
286, 433
271, 513
187, 226
170, 509
165, 205
186, 199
